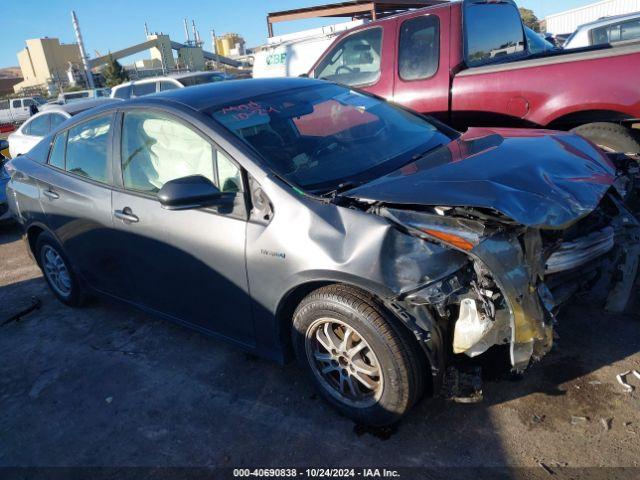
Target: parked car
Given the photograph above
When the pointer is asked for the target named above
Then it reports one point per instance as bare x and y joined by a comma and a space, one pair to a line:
300, 215
6, 218
16, 110
618, 28
469, 64
68, 97
147, 86
41, 124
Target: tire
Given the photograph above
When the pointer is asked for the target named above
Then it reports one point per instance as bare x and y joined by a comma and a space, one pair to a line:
611, 136
390, 350
48, 249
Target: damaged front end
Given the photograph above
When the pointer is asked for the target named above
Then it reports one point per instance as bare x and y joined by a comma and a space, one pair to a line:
516, 277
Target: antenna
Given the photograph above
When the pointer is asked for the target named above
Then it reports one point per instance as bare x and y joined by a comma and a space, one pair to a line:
83, 53
146, 30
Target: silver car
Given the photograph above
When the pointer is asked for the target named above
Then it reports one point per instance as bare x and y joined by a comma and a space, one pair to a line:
299, 216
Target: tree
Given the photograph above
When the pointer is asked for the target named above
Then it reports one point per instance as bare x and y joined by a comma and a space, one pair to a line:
113, 73
529, 19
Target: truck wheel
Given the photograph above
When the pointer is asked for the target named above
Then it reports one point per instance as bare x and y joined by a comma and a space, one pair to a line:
611, 136
369, 369
58, 271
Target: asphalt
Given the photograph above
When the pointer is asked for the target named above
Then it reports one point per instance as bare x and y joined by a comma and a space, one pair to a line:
108, 386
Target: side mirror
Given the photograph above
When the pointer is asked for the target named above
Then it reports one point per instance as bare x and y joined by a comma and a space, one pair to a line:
191, 192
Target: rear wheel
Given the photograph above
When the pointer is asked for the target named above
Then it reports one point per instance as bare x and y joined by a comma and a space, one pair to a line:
368, 368
57, 271
611, 136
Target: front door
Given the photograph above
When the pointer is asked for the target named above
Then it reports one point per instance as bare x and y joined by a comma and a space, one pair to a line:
189, 264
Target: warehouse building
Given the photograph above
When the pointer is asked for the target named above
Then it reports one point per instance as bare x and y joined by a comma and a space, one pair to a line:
567, 21
45, 62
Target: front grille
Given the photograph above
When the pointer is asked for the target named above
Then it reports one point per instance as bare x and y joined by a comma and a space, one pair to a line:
575, 253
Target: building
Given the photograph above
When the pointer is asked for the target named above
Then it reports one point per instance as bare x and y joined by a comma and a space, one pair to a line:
567, 21
45, 62
230, 45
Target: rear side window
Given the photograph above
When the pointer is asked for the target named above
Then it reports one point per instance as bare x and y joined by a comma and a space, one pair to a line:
355, 60
157, 148
56, 120
122, 92
87, 147
16, 104
164, 86
56, 157
4, 104
419, 48
40, 126
142, 89
493, 33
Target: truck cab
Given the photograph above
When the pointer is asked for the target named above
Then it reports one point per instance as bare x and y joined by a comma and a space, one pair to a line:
472, 63
17, 110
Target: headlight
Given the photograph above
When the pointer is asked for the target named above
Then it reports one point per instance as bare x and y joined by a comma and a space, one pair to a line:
462, 234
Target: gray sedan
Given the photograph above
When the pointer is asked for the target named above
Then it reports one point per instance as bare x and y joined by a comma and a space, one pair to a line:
299, 216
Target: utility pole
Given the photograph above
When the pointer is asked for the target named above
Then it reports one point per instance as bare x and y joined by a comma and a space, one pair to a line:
83, 53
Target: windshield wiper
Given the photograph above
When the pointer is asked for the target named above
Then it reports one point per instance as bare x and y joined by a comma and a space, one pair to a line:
342, 187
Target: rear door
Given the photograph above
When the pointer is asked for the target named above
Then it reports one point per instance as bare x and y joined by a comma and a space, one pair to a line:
421, 71
75, 193
188, 264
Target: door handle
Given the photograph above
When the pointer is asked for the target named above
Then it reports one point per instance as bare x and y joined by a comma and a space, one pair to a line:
50, 194
126, 215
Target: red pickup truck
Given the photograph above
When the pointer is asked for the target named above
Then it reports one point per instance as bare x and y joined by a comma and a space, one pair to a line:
471, 63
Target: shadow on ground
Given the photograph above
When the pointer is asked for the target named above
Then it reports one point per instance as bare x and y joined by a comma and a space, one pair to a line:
109, 386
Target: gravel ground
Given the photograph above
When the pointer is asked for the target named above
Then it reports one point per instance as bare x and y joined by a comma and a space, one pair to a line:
109, 386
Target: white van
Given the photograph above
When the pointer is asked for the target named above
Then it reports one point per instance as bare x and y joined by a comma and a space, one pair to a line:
294, 54
16, 110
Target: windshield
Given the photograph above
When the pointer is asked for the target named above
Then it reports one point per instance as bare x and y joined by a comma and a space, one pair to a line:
321, 137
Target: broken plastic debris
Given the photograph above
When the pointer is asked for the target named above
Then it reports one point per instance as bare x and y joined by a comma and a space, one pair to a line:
577, 420
606, 423
622, 379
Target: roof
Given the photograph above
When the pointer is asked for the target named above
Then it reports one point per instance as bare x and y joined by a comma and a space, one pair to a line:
73, 108
208, 95
175, 76
611, 19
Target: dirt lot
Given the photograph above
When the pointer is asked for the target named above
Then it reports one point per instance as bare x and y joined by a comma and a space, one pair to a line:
109, 386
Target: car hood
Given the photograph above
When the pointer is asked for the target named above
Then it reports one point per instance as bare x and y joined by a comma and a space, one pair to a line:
538, 178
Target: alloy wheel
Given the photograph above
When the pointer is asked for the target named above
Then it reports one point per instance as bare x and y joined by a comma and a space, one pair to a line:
56, 271
343, 362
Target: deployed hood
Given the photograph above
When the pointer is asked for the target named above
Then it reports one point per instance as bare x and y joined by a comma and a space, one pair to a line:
538, 178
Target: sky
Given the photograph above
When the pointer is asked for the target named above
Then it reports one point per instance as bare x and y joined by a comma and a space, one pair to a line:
114, 24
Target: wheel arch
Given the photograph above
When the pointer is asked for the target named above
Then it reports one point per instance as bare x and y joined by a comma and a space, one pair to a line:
292, 298
582, 117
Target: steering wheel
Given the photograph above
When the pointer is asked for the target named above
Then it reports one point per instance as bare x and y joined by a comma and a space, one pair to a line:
344, 67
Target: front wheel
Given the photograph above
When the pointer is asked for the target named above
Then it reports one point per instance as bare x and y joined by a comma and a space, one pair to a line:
611, 137
368, 368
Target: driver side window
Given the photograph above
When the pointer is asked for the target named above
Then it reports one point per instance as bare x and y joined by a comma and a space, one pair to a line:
157, 148
355, 60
